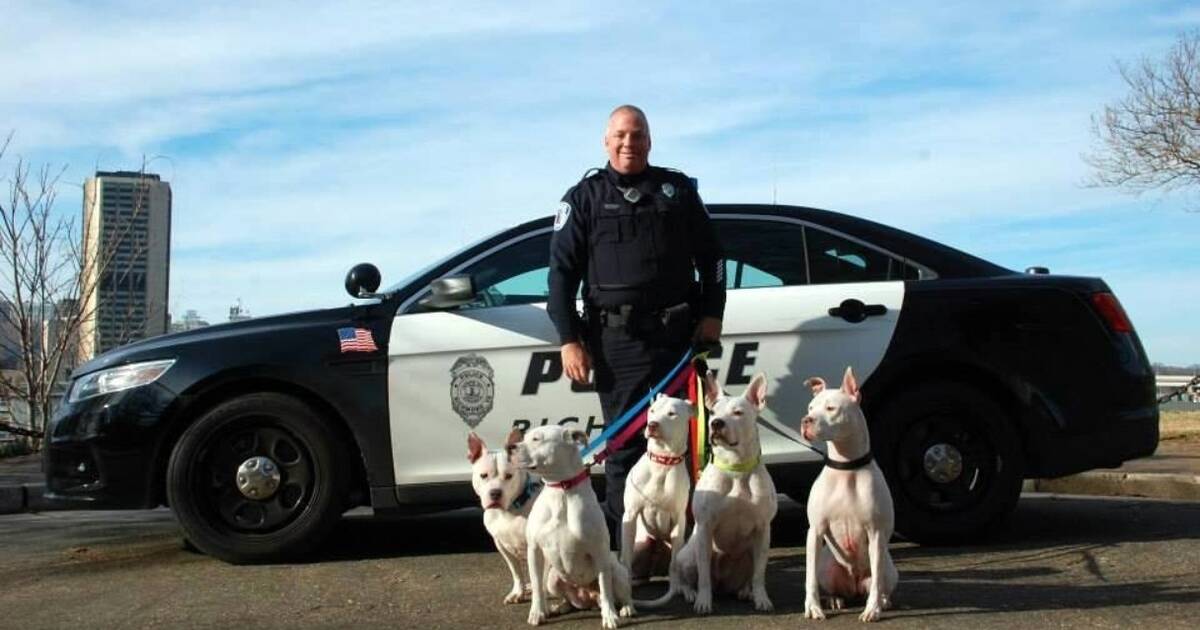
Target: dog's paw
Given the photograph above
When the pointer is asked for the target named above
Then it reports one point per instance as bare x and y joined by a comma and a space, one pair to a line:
689, 594
609, 618
703, 603
536, 617
833, 602
628, 610
812, 609
746, 594
561, 608
516, 597
871, 613
762, 603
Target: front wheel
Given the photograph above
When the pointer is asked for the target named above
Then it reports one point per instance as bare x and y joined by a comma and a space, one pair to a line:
953, 462
259, 477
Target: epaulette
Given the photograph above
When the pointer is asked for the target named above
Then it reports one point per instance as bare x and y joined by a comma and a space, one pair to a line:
591, 172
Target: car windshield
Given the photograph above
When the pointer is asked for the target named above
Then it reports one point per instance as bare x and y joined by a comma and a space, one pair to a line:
434, 265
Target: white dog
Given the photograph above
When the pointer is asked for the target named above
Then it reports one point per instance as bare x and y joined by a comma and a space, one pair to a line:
657, 487
733, 506
566, 536
506, 494
849, 509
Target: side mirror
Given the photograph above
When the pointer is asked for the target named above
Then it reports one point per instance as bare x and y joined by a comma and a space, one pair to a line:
449, 292
362, 280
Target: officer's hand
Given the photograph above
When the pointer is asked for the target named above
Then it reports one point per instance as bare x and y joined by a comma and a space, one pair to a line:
576, 362
708, 330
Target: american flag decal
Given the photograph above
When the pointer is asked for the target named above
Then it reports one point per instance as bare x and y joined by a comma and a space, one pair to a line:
356, 340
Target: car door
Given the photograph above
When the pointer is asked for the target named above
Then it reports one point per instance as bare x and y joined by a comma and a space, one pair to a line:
486, 366
802, 301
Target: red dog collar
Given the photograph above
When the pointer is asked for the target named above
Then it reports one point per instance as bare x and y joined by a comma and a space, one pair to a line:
570, 483
665, 460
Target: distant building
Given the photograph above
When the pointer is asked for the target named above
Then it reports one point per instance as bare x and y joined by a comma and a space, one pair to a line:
191, 321
127, 247
238, 313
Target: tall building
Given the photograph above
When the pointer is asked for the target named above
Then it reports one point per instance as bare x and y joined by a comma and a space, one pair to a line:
127, 252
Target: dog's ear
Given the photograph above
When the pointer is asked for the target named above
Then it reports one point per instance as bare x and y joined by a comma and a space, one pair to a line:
817, 384
712, 391
691, 410
475, 447
850, 386
756, 391
514, 436
578, 436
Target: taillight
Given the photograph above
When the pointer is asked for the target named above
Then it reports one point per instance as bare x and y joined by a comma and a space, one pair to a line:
1110, 309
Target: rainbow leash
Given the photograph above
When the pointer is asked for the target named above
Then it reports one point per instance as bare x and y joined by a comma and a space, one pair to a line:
699, 450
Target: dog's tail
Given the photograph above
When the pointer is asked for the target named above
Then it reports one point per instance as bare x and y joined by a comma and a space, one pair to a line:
672, 590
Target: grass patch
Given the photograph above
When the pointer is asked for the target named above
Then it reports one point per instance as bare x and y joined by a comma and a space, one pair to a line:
1179, 425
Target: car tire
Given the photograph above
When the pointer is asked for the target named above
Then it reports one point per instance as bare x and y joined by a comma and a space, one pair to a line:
953, 462
260, 477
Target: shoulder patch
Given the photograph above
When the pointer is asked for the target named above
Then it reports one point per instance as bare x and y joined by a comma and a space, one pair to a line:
561, 215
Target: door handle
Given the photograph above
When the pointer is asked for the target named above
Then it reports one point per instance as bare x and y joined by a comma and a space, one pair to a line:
854, 311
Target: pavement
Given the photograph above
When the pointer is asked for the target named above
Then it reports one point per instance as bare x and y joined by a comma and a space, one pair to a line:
1172, 473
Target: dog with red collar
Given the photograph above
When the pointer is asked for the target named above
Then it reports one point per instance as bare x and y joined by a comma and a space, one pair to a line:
657, 489
566, 535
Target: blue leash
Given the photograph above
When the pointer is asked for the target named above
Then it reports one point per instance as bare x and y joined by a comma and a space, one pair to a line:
632, 412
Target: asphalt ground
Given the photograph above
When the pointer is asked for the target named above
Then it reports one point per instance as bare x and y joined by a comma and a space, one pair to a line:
1058, 562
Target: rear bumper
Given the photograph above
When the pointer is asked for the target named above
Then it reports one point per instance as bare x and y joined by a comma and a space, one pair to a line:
1129, 435
99, 453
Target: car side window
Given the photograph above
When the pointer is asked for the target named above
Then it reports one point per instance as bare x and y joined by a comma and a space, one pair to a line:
516, 274
835, 259
762, 253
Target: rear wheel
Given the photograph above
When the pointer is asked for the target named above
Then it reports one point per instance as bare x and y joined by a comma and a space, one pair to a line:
953, 462
259, 477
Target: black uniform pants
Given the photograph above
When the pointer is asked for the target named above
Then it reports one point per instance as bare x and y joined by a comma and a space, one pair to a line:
626, 367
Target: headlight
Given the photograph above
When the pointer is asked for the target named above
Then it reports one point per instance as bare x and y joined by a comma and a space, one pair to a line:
117, 379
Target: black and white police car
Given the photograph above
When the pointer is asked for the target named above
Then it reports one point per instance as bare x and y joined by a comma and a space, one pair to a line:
260, 434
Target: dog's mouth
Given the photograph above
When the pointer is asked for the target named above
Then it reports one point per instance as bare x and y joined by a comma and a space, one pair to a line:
494, 505
719, 439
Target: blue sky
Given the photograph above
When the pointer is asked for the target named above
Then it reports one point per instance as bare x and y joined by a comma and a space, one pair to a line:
299, 140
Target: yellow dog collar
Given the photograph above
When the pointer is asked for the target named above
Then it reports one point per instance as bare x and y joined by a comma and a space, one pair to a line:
743, 467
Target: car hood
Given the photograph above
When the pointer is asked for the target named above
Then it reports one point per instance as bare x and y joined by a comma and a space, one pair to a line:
171, 345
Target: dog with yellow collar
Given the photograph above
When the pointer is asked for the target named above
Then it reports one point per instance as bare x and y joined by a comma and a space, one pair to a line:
733, 505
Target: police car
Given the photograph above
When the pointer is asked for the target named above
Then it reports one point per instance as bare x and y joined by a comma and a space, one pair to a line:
260, 434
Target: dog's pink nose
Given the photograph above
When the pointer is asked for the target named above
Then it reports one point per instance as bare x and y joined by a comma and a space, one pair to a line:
495, 495
718, 424
653, 426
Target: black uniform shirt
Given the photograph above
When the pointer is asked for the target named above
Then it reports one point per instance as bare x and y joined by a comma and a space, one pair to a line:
639, 240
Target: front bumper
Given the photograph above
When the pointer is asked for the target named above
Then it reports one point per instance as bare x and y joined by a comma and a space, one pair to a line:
100, 453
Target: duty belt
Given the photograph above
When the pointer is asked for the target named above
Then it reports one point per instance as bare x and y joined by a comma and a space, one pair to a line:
628, 316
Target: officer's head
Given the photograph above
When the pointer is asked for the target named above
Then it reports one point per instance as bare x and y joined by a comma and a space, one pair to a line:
627, 140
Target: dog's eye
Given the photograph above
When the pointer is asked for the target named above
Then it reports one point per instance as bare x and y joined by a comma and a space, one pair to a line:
507, 476
483, 475
831, 408
672, 414
737, 412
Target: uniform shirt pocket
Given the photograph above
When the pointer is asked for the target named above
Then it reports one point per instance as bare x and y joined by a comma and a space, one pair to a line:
615, 226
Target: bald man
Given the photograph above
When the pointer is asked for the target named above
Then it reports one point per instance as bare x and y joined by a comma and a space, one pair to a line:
636, 237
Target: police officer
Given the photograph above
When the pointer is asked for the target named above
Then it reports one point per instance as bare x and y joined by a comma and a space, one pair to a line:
637, 237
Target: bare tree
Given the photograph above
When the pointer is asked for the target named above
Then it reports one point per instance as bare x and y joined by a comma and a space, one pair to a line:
1150, 139
47, 278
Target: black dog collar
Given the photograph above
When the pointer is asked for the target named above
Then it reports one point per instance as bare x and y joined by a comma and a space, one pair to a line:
531, 487
851, 465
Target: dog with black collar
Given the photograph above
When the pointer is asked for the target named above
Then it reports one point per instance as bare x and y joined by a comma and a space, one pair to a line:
850, 511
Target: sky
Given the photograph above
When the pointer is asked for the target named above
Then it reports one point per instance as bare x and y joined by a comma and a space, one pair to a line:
300, 139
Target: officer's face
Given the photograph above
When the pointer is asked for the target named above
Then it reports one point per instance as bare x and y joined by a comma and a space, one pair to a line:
627, 141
